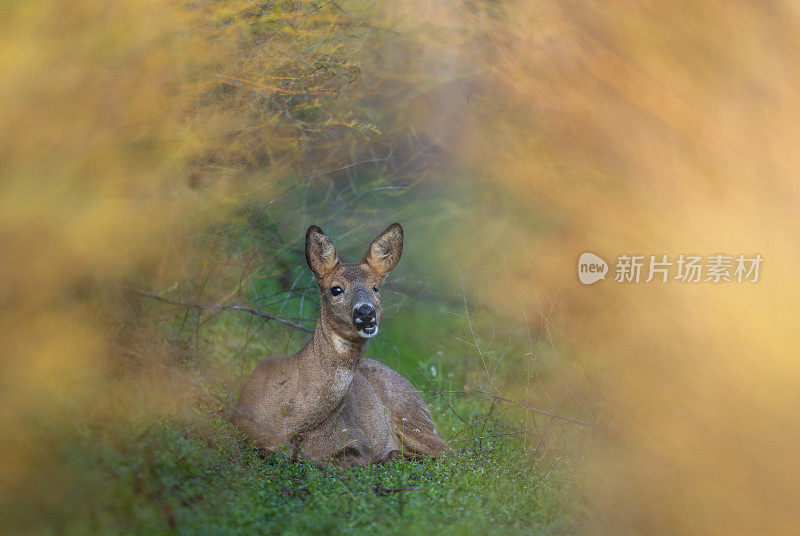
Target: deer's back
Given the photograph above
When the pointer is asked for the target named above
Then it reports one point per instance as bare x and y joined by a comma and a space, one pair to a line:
266, 396
380, 415
401, 408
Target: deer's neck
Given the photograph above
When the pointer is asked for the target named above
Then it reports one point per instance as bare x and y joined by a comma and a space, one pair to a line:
334, 352
329, 363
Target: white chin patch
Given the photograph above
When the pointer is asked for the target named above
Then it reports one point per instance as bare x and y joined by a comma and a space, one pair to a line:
366, 335
341, 345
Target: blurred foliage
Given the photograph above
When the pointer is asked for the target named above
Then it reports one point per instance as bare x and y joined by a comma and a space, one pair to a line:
183, 148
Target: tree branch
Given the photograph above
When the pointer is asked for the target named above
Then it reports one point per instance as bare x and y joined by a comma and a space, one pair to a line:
515, 432
219, 307
504, 400
438, 392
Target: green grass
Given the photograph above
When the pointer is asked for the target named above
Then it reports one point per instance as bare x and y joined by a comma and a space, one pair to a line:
190, 471
203, 477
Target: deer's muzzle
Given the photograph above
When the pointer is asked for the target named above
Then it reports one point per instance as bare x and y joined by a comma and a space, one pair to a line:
365, 320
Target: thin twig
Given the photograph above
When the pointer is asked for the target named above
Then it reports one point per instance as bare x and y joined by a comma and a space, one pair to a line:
479, 421
471, 330
504, 400
289, 294
380, 491
219, 307
515, 432
449, 405
483, 428
317, 8
358, 163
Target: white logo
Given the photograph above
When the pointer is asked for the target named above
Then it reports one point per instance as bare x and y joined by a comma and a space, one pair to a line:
591, 268
662, 269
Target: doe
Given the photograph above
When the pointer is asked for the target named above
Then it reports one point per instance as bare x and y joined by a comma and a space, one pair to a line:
327, 403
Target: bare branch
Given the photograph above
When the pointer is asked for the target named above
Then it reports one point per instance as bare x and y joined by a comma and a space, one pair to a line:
219, 307
471, 330
479, 421
438, 392
515, 432
504, 400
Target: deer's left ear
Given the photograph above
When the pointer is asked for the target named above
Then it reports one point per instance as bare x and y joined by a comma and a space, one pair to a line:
384, 252
320, 253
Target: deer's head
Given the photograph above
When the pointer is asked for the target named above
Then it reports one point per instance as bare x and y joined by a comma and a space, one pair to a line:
350, 293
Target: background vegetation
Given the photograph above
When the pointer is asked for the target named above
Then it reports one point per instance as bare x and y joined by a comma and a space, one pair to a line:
160, 161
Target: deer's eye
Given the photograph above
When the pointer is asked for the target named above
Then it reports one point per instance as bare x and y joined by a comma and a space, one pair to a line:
336, 290
375, 289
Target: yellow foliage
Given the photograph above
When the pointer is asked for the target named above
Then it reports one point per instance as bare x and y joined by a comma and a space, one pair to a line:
640, 128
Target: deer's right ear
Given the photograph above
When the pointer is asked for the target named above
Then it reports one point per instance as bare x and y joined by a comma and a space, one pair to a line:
384, 252
320, 252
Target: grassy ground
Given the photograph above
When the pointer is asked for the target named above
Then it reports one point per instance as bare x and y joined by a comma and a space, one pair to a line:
151, 449
190, 471
175, 479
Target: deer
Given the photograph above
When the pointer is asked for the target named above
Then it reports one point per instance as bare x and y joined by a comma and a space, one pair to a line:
327, 403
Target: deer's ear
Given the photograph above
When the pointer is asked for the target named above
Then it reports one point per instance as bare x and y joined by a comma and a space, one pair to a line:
384, 252
320, 252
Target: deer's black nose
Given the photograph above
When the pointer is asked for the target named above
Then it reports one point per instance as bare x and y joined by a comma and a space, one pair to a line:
364, 315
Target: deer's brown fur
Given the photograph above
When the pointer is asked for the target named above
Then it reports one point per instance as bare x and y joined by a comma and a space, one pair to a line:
327, 403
